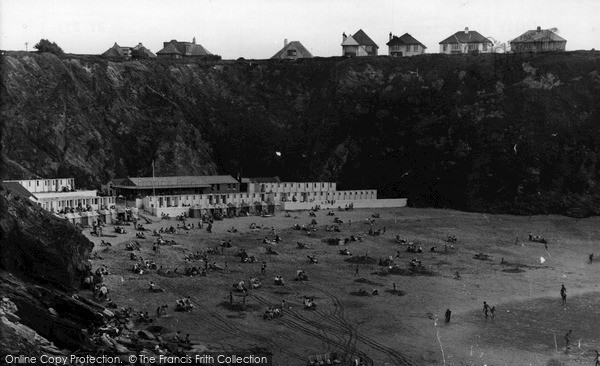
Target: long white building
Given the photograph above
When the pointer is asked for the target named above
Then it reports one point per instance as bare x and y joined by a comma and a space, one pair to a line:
59, 195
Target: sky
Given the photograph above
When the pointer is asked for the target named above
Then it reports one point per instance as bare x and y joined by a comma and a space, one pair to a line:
256, 29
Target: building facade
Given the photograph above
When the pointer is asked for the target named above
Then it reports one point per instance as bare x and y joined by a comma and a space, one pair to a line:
292, 51
179, 50
137, 187
466, 41
59, 195
405, 45
538, 40
359, 44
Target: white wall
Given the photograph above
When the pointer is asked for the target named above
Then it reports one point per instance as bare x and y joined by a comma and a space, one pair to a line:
368, 203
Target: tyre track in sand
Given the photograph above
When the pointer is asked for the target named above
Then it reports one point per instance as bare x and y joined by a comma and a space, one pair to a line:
396, 357
330, 334
227, 326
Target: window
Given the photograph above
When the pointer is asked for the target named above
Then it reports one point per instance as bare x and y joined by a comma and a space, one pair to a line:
485, 46
456, 46
416, 48
37, 183
218, 187
472, 47
291, 52
445, 47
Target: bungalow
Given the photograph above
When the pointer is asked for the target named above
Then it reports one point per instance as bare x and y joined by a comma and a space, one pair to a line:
358, 44
125, 52
117, 51
538, 40
178, 50
292, 51
404, 45
465, 42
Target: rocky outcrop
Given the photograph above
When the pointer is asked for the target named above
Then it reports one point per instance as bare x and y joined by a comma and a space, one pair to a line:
38, 246
19, 339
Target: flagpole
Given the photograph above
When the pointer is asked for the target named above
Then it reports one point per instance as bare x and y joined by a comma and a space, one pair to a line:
153, 190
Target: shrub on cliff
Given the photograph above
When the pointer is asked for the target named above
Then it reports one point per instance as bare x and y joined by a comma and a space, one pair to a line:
45, 45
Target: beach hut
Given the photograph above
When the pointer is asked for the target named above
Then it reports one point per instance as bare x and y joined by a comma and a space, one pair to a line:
76, 218
85, 218
104, 216
122, 214
92, 218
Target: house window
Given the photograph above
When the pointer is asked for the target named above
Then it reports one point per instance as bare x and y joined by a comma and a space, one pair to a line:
456, 46
485, 46
37, 183
416, 48
472, 47
291, 52
445, 47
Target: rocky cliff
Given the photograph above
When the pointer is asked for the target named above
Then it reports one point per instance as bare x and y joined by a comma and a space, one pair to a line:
42, 261
502, 133
40, 247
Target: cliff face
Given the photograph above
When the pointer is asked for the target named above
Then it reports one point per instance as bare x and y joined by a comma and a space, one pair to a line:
39, 247
502, 133
42, 260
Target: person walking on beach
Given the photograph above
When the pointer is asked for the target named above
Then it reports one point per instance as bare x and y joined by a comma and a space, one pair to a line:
448, 314
563, 294
486, 308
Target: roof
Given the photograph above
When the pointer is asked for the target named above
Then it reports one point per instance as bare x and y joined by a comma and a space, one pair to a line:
18, 189
364, 40
468, 37
405, 39
140, 47
349, 41
113, 52
180, 47
168, 50
116, 181
265, 180
177, 181
542, 35
302, 52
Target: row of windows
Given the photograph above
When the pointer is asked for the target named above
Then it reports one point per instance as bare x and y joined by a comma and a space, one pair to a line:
292, 184
472, 47
415, 48
47, 182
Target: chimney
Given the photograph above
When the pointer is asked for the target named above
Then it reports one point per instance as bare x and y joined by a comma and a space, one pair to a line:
466, 30
285, 42
539, 29
344, 36
194, 40
390, 36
